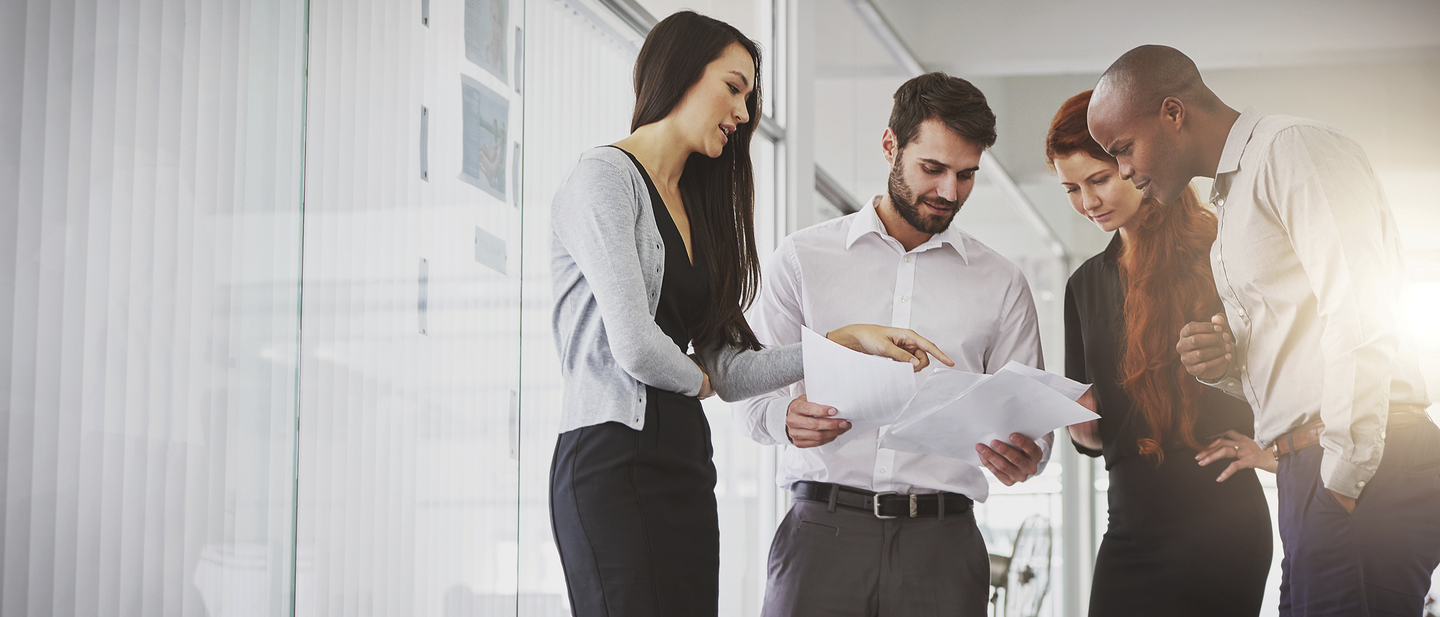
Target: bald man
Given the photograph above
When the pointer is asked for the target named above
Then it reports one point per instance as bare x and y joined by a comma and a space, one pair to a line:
1308, 264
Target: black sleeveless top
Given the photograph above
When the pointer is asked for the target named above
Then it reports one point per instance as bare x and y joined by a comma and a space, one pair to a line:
686, 288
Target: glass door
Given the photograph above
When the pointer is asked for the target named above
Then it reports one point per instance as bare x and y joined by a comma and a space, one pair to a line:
408, 472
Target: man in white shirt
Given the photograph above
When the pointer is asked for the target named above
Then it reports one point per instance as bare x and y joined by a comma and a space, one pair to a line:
897, 261
1308, 266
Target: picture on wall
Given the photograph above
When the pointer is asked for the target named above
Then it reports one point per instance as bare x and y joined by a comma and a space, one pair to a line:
487, 117
486, 24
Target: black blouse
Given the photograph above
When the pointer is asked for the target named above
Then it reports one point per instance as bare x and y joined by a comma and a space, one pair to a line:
685, 290
1094, 345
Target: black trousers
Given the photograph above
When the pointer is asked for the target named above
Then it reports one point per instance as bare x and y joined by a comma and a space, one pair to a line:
1376, 560
634, 514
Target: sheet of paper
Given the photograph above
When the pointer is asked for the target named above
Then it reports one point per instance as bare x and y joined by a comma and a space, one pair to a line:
868, 391
1069, 388
981, 408
949, 384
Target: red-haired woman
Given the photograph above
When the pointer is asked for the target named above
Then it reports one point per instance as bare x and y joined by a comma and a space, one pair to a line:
1184, 538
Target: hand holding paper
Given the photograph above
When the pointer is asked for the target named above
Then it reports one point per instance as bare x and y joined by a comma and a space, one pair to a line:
810, 425
868, 391
1012, 462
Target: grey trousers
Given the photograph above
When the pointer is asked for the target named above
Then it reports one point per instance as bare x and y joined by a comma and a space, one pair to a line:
849, 563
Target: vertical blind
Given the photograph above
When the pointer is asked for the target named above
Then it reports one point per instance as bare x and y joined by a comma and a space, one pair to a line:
149, 221
176, 176
578, 88
409, 376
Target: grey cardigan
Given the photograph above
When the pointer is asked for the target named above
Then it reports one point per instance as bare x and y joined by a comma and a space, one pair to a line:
607, 261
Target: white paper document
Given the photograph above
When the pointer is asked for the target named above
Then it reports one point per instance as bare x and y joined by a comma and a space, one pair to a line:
956, 410
867, 391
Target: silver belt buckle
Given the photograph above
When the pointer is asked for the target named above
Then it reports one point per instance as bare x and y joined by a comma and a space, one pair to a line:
875, 505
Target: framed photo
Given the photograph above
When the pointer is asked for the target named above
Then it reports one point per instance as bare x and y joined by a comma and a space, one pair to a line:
486, 24
487, 120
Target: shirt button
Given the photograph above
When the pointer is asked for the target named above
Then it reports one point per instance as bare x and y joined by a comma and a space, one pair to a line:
884, 470
1219, 201
1360, 484
907, 259
904, 299
1242, 312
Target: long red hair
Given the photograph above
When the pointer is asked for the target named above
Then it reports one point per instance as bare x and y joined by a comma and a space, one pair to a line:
1166, 269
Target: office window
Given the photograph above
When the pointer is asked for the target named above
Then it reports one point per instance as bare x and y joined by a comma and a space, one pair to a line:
150, 174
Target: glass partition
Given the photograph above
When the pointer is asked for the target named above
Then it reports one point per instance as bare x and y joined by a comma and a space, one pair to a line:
409, 398
150, 217
579, 88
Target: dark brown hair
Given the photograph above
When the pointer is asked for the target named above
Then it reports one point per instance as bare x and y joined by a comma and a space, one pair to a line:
953, 101
1166, 265
719, 193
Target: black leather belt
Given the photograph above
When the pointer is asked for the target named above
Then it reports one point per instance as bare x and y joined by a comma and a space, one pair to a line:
883, 505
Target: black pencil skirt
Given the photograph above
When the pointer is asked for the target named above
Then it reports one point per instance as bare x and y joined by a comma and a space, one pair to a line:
1181, 544
634, 513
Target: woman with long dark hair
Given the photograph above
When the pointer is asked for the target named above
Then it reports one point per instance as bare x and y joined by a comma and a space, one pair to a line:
1184, 538
653, 252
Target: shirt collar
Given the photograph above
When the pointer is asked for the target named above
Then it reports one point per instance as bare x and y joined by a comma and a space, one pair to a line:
1237, 140
1112, 250
1235, 143
867, 221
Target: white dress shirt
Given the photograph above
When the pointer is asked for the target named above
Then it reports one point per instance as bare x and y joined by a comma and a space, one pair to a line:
1308, 265
972, 303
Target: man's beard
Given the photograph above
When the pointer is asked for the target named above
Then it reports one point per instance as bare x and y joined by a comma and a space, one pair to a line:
904, 200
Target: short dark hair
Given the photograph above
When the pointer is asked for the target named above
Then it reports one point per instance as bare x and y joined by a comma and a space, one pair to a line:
954, 101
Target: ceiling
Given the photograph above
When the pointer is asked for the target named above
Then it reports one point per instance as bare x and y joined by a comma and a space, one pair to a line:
1047, 37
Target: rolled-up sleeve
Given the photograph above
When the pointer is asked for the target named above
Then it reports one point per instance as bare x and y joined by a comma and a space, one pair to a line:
778, 320
1076, 368
1334, 211
1018, 339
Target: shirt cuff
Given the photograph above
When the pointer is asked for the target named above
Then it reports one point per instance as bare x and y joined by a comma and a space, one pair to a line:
775, 419
1047, 446
1229, 383
1342, 476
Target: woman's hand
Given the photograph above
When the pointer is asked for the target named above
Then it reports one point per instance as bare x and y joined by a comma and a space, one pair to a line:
1244, 450
898, 344
1087, 434
705, 390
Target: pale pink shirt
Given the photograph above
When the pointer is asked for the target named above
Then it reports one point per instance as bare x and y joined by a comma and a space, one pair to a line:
971, 302
1309, 265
